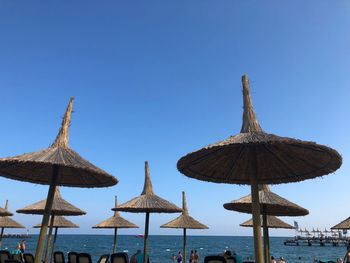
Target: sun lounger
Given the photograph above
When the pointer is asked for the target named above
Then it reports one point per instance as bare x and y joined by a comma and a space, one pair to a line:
119, 258
214, 259
4, 254
12, 261
231, 260
28, 258
84, 258
72, 257
17, 257
58, 257
103, 259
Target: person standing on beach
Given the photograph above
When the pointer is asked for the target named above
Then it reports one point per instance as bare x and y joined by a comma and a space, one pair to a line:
347, 256
273, 260
179, 257
23, 246
192, 257
133, 257
196, 257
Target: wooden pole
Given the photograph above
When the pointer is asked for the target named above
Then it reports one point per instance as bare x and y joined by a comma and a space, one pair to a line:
184, 246
48, 241
2, 229
47, 212
256, 221
53, 244
266, 240
115, 240
145, 242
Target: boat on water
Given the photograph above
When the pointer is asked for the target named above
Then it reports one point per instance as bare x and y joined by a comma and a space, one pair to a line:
139, 236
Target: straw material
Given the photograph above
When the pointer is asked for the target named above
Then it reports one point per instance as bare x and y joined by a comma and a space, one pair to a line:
59, 207
345, 224
60, 222
270, 204
7, 222
148, 201
272, 222
73, 170
4, 212
184, 220
252, 152
116, 221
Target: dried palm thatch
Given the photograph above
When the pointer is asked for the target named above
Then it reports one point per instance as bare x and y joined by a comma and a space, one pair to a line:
345, 224
4, 212
272, 222
60, 222
116, 221
255, 157
60, 207
147, 203
184, 221
7, 222
56, 165
270, 204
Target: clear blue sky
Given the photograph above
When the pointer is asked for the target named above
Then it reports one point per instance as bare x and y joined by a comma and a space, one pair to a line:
155, 80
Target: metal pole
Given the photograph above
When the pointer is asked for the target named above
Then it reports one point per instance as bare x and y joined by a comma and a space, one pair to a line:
266, 240
53, 245
256, 221
48, 242
115, 240
184, 245
145, 242
47, 212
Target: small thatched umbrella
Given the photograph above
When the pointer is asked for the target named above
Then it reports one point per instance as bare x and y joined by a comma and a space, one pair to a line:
254, 157
184, 221
6, 221
345, 224
271, 222
115, 222
148, 203
270, 204
58, 222
56, 165
60, 207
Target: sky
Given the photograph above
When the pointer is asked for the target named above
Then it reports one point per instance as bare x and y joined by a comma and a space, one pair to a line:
156, 80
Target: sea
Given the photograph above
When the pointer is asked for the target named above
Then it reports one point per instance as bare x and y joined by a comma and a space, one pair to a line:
162, 248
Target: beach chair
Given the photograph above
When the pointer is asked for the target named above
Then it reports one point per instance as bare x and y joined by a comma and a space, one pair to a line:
84, 258
17, 257
103, 259
58, 257
4, 255
28, 258
214, 259
119, 258
231, 260
72, 257
11, 260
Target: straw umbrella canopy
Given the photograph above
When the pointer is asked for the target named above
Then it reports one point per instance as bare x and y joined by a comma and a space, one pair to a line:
272, 222
58, 222
60, 207
56, 165
184, 221
148, 202
254, 157
7, 222
345, 224
270, 204
115, 222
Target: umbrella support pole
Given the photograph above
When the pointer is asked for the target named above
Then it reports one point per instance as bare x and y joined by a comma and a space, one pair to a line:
115, 240
53, 244
1, 235
266, 240
47, 211
48, 241
256, 221
145, 241
184, 245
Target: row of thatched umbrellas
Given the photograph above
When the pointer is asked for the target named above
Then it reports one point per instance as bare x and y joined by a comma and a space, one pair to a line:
251, 157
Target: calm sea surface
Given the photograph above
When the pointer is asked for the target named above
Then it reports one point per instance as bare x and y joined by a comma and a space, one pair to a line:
161, 248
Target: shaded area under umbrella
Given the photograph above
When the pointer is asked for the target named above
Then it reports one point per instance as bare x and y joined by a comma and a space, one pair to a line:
184, 221
254, 157
56, 165
115, 222
59, 207
148, 202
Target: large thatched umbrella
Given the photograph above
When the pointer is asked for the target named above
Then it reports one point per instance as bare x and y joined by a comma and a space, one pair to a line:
56, 165
184, 221
60, 207
254, 157
148, 202
58, 222
271, 222
270, 204
6, 221
345, 224
115, 222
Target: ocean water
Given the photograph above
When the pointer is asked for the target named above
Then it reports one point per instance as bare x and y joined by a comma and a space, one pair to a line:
161, 248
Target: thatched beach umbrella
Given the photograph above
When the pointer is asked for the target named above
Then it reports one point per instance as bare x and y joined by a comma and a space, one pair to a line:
270, 204
254, 157
345, 224
56, 165
58, 222
115, 222
184, 221
7, 222
148, 202
271, 222
60, 207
